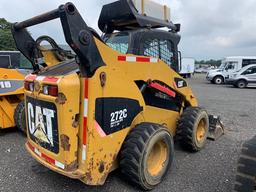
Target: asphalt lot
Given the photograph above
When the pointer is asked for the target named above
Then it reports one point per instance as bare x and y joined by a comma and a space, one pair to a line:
210, 170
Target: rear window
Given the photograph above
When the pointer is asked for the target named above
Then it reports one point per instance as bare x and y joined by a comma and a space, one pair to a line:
5, 61
14, 60
248, 62
118, 42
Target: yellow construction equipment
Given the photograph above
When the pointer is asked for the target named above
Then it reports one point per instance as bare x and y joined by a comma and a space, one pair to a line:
14, 67
12, 75
119, 103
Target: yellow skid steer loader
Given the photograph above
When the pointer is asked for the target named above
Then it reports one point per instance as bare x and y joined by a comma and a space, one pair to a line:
12, 75
119, 103
14, 67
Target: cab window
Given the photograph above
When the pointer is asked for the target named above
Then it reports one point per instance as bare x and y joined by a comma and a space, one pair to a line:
248, 62
231, 66
162, 49
5, 61
251, 70
118, 42
14, 60
25, 63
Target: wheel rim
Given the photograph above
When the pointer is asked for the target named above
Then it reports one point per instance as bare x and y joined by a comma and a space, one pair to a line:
201, 131
218, 81
241, 84
157, 158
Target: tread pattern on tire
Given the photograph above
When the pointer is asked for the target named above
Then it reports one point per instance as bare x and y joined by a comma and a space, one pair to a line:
132, 150
246, 169
186, 126
18, 119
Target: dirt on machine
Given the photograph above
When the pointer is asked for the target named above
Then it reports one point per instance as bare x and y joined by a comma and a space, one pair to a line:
119, 103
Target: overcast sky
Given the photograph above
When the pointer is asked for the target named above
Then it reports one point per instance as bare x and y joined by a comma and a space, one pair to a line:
210, 28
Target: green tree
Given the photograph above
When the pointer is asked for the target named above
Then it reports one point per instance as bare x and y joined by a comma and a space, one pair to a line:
209, 62
6, 40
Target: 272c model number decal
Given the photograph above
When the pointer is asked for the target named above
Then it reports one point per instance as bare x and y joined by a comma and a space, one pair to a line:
117, 117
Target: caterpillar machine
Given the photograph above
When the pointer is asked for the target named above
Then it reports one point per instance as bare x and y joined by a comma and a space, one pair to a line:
118, 104
14, 67
12, 75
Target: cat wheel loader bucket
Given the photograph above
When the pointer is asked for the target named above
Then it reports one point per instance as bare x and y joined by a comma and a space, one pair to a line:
216, 128
116, 105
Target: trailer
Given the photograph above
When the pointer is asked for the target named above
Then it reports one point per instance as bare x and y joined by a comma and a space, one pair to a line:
187, 67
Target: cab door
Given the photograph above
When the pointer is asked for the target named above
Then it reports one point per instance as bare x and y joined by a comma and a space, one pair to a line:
250, 75
230, 68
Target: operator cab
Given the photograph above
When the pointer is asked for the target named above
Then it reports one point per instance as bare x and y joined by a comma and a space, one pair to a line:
129, 30
14, 60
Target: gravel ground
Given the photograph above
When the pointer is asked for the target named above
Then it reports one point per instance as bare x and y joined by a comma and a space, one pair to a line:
210, 170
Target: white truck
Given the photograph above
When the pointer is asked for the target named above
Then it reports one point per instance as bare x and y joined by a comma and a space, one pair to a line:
187, 67
229, 66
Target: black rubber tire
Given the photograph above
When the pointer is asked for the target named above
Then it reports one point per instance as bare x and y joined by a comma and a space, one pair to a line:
241, 84
246, 169
20, 117
218, 80
136, 149
187, 128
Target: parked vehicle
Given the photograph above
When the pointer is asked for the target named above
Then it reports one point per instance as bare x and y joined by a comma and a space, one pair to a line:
111, 108
187, 67
246, 77
229, 66
13, 69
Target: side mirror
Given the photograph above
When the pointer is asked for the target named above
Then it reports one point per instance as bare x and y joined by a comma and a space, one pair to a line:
178, 26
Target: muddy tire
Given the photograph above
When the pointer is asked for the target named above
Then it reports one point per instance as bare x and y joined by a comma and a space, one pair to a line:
20, 117
246, 169
147, 155
193, 128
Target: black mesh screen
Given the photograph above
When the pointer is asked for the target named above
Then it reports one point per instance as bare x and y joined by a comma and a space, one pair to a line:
162, 49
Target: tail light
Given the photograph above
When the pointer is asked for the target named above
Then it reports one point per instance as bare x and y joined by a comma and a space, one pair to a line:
51, 90
29, 86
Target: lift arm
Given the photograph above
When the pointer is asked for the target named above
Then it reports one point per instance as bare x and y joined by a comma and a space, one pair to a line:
77, 34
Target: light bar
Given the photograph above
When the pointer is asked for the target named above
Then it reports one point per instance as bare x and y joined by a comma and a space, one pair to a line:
152, 9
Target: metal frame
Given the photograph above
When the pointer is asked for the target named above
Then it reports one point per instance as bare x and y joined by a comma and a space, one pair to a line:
77, 34
122, 15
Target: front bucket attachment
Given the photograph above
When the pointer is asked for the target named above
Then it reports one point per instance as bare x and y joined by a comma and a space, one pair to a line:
216, 128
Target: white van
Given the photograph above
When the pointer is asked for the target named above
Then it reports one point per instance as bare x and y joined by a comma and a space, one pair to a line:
246, 77
229, 65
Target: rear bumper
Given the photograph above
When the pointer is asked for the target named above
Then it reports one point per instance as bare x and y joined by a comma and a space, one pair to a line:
37, 155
